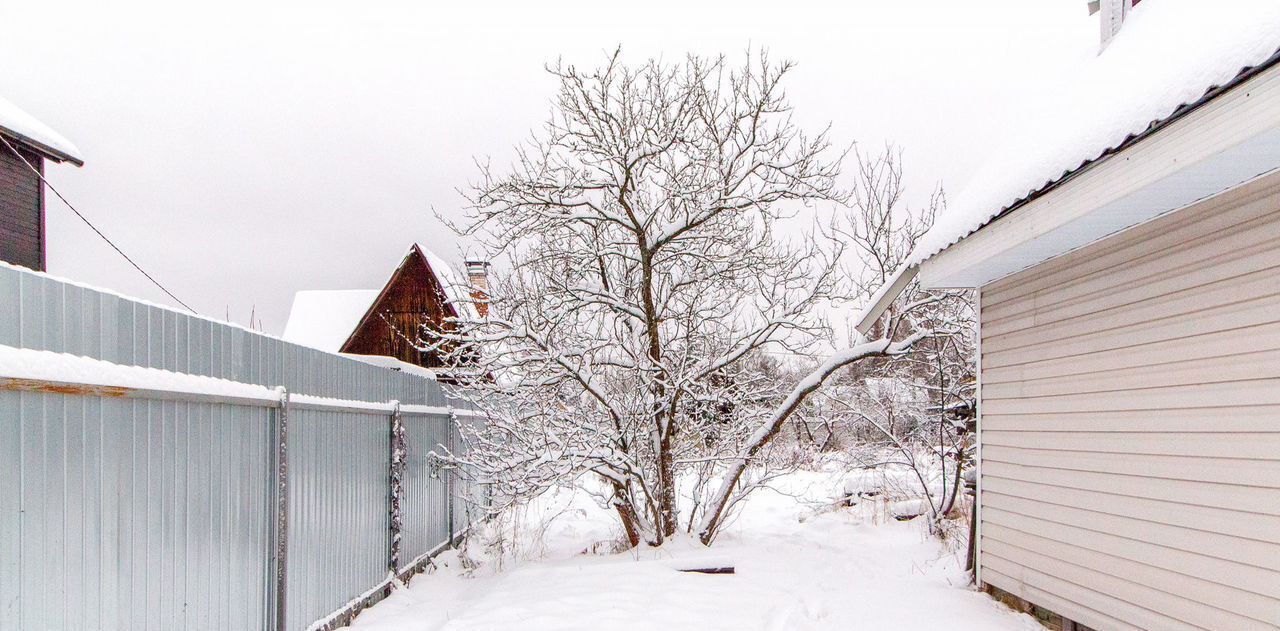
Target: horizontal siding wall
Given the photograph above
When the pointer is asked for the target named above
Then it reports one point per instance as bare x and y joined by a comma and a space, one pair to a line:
1131, 423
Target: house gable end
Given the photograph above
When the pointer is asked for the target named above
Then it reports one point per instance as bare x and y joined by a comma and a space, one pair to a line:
412, 297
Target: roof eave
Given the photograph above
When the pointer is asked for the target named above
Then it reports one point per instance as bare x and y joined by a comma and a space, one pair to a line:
880, 301
1187, 108
884, 298
41, 148
1221, 144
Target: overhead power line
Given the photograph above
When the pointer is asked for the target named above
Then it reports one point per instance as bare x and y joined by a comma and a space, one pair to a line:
93, 227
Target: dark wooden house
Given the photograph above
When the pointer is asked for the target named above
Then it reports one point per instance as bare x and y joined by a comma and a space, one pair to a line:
27, 145
422, 292
413, 298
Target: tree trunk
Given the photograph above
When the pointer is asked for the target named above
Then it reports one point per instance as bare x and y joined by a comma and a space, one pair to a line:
955, 487
669, 519
626, 515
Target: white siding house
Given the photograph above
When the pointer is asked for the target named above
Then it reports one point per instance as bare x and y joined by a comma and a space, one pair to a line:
1131, 423
1129, 335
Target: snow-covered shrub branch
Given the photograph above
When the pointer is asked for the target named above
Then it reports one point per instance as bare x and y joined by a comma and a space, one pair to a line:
922, 402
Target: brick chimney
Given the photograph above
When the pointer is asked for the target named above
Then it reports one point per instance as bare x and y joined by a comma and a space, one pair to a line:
478, 278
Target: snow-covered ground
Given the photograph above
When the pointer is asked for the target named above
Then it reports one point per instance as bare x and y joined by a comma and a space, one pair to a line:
800, 564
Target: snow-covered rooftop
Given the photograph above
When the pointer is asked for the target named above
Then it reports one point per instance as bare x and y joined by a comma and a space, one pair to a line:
324, 319
1170, 53
26, 128
456, 288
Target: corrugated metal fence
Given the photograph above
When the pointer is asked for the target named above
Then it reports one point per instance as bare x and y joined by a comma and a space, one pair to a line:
186, 510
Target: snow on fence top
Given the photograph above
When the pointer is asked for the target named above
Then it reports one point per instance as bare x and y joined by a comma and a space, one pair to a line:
63, 368
65, 373
26, 128
1170, 54
43, 312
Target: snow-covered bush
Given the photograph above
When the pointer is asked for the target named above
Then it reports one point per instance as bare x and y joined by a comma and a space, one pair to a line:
912, 411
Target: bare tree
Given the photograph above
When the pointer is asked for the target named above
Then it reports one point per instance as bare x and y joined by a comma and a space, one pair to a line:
645, 276
925, 417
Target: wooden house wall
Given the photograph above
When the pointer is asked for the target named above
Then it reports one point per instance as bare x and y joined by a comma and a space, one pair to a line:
21, 211
412, 298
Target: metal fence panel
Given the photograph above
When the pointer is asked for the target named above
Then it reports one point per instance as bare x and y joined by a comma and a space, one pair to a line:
132, 513
159, 514
338, 510
44, 313
469, 498
426, 499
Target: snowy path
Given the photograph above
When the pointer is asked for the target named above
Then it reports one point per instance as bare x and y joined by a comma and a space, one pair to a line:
843, 569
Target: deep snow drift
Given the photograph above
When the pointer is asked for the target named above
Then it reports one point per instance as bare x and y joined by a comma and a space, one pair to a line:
801, 564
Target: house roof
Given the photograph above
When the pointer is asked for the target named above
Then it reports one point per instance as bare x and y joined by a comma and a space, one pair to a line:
17, 124
325, 319
456, 288
1170, 57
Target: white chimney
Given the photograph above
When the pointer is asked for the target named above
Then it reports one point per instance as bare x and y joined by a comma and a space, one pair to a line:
1111, 17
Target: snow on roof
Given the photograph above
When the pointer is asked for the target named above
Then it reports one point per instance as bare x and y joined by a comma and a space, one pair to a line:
324, 319
35, 133
456, 289
1169, 54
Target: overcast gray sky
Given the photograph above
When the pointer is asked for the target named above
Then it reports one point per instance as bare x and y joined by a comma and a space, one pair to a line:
241, 151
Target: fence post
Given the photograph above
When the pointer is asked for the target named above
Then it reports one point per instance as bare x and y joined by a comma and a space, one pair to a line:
396, 485
449, 476
281, 495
